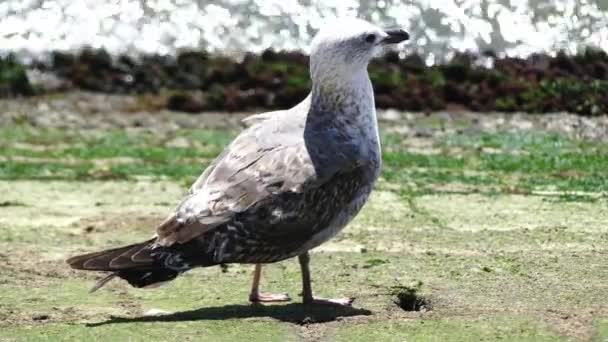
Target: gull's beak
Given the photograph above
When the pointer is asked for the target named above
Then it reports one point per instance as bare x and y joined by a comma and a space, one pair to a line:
395, 36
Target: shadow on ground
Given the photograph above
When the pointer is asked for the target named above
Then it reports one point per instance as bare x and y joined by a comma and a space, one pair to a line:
292, 313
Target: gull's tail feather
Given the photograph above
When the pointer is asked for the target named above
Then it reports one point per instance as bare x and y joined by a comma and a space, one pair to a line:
133, 263
115, 259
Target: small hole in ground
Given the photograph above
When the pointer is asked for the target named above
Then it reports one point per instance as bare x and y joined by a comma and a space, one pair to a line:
408, 299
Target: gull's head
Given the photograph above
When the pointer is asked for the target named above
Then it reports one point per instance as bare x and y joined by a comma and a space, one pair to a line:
345, 46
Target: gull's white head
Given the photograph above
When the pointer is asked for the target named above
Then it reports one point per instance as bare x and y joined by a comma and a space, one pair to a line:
345, 47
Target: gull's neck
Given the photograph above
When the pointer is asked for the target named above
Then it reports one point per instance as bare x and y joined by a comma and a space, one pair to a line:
343, 93
349, 102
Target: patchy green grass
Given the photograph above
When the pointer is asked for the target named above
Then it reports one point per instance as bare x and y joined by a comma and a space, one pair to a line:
501, 162
476, 236
30, 153
505, 267
216, 330
602, 330
491, 163
492, 329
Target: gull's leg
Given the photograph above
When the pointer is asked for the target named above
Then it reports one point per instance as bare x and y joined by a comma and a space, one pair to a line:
260, 297
307, 296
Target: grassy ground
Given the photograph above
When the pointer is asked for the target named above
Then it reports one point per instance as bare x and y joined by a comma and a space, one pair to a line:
469, 236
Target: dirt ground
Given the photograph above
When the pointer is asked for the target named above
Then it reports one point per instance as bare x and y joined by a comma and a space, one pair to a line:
83, 110
455, 262
483, 267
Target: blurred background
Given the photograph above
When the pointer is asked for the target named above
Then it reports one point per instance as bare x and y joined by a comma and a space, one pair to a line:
438, 28
230, 55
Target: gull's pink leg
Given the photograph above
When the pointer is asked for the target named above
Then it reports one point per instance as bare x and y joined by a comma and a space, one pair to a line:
307, 296
260, 297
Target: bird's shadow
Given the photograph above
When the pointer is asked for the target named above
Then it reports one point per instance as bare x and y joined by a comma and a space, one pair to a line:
292, 313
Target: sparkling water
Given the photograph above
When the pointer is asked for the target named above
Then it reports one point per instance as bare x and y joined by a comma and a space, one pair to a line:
438, 27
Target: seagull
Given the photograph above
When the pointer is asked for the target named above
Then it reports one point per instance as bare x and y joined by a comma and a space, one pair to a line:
289, 182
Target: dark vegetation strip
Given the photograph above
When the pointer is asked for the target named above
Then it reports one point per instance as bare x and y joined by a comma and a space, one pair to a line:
539, 83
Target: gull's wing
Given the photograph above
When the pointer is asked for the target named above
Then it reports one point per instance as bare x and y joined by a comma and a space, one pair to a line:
258, 118
265, 161
249, 121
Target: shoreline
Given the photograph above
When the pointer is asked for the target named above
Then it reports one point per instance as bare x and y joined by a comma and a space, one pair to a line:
81, 110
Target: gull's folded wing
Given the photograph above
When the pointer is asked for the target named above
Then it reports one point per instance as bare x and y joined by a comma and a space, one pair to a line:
253, 168
267, 160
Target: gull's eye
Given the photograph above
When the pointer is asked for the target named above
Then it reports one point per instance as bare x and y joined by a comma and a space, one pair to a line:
370, 38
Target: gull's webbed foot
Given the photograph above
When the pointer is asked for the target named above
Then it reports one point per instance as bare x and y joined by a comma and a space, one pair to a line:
329, 301
263, 297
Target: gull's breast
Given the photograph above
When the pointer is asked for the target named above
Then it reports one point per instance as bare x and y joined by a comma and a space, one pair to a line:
340, 220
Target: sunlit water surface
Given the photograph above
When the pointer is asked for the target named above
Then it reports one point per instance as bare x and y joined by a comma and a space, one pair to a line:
438, 28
